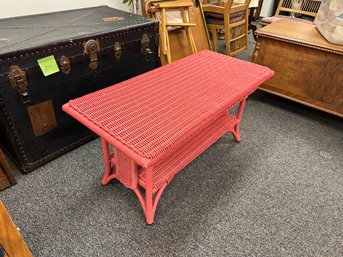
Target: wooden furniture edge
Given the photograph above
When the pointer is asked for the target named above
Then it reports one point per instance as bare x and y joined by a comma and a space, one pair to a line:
297, 98
10, 238
296, 41
7, 168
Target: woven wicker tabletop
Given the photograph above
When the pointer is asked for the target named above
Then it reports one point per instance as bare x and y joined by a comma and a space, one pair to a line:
155, 111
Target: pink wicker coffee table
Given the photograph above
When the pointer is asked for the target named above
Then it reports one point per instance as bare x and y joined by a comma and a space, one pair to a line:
160, 121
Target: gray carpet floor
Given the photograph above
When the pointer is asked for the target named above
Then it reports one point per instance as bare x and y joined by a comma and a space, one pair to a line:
279, 192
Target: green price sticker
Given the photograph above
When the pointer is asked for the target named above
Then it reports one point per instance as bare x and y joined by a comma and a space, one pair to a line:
48, 65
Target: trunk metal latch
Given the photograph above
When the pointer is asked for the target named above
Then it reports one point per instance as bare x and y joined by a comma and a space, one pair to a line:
91, 48
19, 83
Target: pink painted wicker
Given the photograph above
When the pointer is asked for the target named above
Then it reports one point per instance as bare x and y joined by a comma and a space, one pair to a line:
160, 121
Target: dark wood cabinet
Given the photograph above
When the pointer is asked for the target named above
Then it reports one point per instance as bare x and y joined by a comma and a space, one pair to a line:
308, 69
6, 175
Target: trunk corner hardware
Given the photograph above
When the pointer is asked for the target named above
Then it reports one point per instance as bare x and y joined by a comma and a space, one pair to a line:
91, 48
117, 50
65, 65
146, 51
19, 83
157, 41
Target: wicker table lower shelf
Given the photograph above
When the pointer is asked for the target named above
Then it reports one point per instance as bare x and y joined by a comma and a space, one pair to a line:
165, 170
127, 171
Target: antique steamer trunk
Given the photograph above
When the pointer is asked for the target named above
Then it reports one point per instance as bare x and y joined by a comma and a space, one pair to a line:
86, 49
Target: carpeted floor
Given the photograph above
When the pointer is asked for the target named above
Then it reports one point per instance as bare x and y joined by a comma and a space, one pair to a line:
279, 192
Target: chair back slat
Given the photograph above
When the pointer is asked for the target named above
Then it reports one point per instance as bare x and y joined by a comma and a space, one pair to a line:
231, 17
307, 7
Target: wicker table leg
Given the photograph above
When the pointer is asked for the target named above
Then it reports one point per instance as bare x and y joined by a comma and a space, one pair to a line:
149, 214
235, 130
127, 175
108, 175
149, 204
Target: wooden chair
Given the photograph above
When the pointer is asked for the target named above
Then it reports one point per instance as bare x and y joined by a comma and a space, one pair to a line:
232, 18
301, 10
179, 40
165, 25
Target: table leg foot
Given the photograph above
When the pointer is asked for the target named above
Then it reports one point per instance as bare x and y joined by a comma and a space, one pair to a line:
149, 220
151, 210
235, 134
146, 205
106, 180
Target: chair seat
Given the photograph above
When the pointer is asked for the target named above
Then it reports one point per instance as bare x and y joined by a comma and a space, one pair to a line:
232, 20
269, 20
218, 19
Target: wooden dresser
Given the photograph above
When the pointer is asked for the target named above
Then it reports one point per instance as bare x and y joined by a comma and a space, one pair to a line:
308, 69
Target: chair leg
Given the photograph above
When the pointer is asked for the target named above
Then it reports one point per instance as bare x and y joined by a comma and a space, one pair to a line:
214, 37
253, 28
227, 40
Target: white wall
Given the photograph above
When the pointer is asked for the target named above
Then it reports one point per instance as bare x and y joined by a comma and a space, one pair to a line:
267, 8
12, 8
